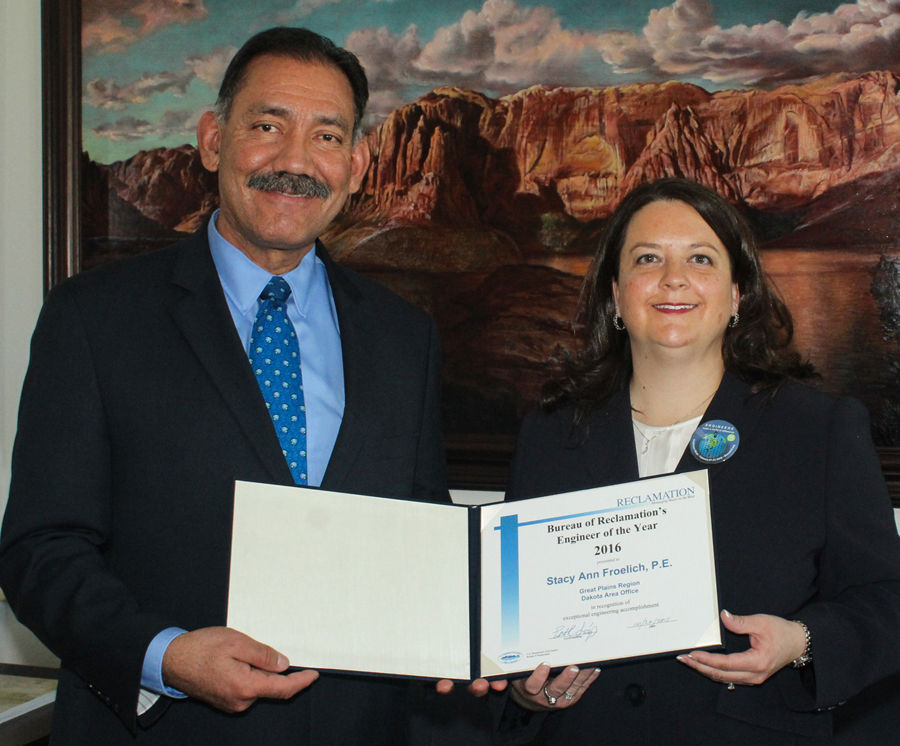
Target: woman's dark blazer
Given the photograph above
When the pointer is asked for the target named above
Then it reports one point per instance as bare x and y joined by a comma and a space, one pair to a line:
803, 530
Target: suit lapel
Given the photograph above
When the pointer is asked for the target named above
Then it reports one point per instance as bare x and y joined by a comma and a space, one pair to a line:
360, 357
610, 443
201, 312
611, 433
729, 404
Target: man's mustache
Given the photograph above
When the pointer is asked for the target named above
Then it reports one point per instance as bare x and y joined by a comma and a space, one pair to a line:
299, 185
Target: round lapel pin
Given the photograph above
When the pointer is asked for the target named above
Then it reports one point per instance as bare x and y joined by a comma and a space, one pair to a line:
715, 441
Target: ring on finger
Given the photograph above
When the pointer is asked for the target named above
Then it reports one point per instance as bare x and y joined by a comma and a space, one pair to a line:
568, 695
730, 686
551, 700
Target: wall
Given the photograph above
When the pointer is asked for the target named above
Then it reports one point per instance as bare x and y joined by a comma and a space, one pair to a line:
21, 246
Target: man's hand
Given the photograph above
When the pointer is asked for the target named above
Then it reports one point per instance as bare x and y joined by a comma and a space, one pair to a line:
477, 688
774, 642
229, 670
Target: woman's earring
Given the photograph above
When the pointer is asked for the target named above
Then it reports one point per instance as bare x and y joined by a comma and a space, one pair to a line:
734, 320
617, 321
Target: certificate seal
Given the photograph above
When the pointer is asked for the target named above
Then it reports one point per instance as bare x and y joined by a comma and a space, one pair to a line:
508, 658
715, 441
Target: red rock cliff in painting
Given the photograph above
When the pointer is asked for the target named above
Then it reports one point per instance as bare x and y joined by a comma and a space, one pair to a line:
568, 147
526, 166
457, 158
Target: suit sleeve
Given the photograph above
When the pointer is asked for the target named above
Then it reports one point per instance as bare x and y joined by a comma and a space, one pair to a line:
57, 525
854, 618
430, 482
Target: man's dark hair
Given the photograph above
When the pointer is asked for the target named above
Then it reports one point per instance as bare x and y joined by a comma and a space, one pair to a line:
302, 45
758, 349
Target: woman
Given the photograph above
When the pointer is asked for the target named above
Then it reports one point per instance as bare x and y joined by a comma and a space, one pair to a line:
680, 328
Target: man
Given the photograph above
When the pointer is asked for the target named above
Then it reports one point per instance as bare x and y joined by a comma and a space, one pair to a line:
141, 408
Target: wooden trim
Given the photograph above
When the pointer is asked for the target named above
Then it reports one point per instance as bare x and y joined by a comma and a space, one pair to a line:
890, 465
61, 55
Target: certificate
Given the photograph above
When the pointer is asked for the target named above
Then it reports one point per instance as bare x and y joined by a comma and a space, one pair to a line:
351, 583
603, 574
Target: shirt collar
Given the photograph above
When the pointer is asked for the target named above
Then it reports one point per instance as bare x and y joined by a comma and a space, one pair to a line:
243, 281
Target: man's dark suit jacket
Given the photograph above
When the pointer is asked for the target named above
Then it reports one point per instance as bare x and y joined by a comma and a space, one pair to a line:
139, 411
803, 530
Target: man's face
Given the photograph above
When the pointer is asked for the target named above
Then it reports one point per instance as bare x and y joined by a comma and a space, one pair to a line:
285, 158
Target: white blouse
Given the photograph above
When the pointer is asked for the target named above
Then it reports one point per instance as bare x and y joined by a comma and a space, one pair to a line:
659, 449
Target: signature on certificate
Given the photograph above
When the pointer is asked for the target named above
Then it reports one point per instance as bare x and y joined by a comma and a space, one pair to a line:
652, 622
563, 632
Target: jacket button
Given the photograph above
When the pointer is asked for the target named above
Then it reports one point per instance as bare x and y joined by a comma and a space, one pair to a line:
635, 694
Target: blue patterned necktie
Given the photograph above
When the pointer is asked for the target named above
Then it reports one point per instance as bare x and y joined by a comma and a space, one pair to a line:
275, 358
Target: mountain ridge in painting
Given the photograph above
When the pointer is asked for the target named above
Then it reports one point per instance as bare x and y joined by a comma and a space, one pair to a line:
485, 212
544, 164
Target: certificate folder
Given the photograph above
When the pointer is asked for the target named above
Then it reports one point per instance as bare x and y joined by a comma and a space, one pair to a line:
352, 583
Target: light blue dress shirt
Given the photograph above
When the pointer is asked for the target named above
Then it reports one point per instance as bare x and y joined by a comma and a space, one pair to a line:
312, 312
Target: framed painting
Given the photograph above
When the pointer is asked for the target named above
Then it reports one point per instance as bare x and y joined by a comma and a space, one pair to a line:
503, 134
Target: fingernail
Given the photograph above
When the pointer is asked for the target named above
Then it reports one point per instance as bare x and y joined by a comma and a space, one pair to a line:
283, 662
727, 613
596, 670
573, 670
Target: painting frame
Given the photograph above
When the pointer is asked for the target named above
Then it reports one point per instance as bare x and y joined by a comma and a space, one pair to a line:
482, 465
61, 102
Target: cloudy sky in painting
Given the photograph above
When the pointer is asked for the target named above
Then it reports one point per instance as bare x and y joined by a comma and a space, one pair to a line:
151, 67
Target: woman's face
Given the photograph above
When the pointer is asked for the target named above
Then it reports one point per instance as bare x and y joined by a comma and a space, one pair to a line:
674, 289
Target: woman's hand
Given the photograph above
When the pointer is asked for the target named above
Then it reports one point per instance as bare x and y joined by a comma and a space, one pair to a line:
540, 695
774, 643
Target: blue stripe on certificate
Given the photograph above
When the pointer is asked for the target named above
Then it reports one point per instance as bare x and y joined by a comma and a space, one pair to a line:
509, 580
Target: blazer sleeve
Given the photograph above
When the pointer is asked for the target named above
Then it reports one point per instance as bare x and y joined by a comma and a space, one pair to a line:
57, 525
855, 616
544, 455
